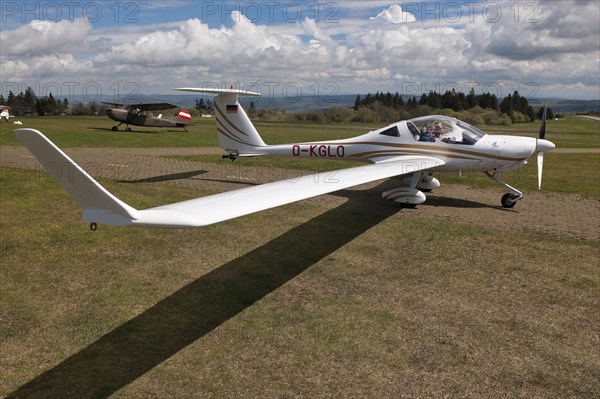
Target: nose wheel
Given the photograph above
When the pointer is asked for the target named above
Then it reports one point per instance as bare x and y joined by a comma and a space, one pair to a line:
508, 200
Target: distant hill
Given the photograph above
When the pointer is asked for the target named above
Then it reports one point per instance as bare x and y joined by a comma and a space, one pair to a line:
564, 105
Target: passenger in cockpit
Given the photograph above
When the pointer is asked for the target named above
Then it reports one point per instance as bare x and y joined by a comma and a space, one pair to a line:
425, 135
437, 130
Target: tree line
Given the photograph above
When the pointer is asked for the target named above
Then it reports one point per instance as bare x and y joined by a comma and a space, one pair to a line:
29, 103
473, 108
514, 106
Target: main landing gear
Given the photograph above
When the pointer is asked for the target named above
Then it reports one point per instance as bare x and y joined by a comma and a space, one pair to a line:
508, 200
411, 193
116, 128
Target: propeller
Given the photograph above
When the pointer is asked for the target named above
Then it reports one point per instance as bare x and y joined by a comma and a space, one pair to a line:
542, 145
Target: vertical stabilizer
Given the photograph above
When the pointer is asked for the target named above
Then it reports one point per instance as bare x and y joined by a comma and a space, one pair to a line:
237, 135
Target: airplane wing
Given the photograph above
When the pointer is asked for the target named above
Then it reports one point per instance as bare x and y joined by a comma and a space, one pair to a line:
114, 105
100, 206
152, 106
143, 106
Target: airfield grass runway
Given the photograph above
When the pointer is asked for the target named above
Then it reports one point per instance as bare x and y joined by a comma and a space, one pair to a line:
341, 295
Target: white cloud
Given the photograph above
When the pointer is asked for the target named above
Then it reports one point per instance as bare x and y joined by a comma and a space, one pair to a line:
395, 15
44, 37
359, 52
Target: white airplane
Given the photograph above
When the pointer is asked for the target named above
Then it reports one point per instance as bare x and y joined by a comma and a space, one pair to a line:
412, 148
4, 114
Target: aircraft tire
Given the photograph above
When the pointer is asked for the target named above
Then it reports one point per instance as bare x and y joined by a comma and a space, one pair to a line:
114, 128
508, 200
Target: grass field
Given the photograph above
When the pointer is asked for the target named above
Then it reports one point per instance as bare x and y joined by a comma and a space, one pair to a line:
96, 132
342, 298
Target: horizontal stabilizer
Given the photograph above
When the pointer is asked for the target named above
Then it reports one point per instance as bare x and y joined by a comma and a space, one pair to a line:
219, 91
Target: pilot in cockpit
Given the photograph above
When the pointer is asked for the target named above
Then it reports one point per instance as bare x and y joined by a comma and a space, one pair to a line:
426, 135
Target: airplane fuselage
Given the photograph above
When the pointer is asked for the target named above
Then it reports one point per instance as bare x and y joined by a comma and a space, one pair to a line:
129, 118
487, 152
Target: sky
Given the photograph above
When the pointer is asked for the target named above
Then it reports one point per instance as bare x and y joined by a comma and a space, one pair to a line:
311, 48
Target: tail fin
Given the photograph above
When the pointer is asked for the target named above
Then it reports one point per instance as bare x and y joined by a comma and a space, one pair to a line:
235, 131
185, 115
97, 203
5, 114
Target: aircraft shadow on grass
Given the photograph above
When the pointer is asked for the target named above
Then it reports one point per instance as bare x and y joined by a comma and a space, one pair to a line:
144, 342
156, 131
168, 177
448, 202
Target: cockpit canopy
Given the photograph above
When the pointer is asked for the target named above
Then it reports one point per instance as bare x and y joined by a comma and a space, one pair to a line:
438, 128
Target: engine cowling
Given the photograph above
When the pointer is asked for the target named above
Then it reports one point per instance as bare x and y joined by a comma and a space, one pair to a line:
404, 196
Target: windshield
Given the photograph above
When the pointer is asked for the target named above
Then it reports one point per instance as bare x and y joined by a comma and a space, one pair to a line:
440, 128
471, 134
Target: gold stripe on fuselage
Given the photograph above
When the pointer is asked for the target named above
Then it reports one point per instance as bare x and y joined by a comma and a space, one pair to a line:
221, 129
446, 151
228, 121
385, 153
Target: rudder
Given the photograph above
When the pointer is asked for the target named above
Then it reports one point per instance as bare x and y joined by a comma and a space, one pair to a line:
237, 135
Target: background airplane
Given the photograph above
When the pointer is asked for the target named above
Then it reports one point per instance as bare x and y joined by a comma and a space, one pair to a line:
394, 150
4, 112
139, 115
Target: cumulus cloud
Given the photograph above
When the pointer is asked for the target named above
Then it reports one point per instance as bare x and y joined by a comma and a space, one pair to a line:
245, 48
553, 29
44, 37
194, 43
559, 45
395, 15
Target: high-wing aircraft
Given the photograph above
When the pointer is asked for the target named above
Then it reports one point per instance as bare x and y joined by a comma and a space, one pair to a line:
412, 148
4, 113
139, 115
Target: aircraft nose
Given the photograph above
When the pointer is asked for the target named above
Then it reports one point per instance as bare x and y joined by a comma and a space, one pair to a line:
544, 145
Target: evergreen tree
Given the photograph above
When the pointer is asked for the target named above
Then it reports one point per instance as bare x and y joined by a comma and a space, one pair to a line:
357, 102
506, 106
10, 101
549, 113
29, 98
470, 99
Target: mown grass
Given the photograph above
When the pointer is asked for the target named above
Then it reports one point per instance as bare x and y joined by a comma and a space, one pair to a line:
96, 132
306, 300
69, 131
